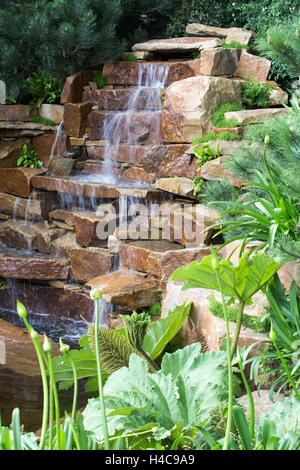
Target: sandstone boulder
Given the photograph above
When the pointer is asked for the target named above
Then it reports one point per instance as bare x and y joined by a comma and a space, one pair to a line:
88, 263
39, 267
219, 61
18, 181
74, 85
75, 118
214, 170
181, 186
257, 67
209, 326
189, 104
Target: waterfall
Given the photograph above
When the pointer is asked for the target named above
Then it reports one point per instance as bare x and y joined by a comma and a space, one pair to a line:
151, 78
57, 141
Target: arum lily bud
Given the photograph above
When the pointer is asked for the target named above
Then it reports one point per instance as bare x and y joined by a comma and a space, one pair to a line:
214, 259
96, 294
47, 344
272, 334
33, 334
64, 348
267, 140
21, 310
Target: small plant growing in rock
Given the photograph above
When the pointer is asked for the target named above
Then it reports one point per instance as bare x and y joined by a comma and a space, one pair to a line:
43, 88
29, 158
99, 79
256, 94
218, 118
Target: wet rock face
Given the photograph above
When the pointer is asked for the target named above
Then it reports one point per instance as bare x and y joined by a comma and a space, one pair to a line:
20, 266
66, 300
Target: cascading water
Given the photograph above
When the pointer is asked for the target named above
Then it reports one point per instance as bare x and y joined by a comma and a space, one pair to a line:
56, 147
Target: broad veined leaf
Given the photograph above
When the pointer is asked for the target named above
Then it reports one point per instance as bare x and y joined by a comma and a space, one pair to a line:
85, 363
160, 333
240, 281
177, 396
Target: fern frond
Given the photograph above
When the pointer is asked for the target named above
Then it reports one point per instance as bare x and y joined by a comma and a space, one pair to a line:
115, 349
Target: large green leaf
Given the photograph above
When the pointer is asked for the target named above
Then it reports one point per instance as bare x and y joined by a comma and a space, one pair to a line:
160, 333
85, 363
175, 398
240, 281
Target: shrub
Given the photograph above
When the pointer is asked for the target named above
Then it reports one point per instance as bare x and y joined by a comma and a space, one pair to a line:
29, 159
256, 94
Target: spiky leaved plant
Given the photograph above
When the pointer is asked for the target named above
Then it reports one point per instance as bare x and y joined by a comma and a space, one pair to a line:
135, 328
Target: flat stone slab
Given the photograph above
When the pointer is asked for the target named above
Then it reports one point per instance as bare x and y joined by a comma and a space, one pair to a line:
177, 45
132, 73
254, 115
87, 189
31, 126
197, 29
38, 267
126, 288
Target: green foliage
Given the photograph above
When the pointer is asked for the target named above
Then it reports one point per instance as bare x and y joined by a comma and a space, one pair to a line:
60, 36
239, 281
2, 281
116, 349
205, 153
284, 315
41, 120
161, 332
281, 42
99, 79
224, 135
43, 89
170, 403
131, 58
29, 158
260, 325
265, 218
234, 45
73, 436
218, 118
256, 94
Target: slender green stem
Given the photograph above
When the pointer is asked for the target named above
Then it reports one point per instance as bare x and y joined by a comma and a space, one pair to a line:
77, 443
51, 414
39, 353
53, 390
99, 375
250, 399
229, 365
75, 394
287, 370
238, 328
